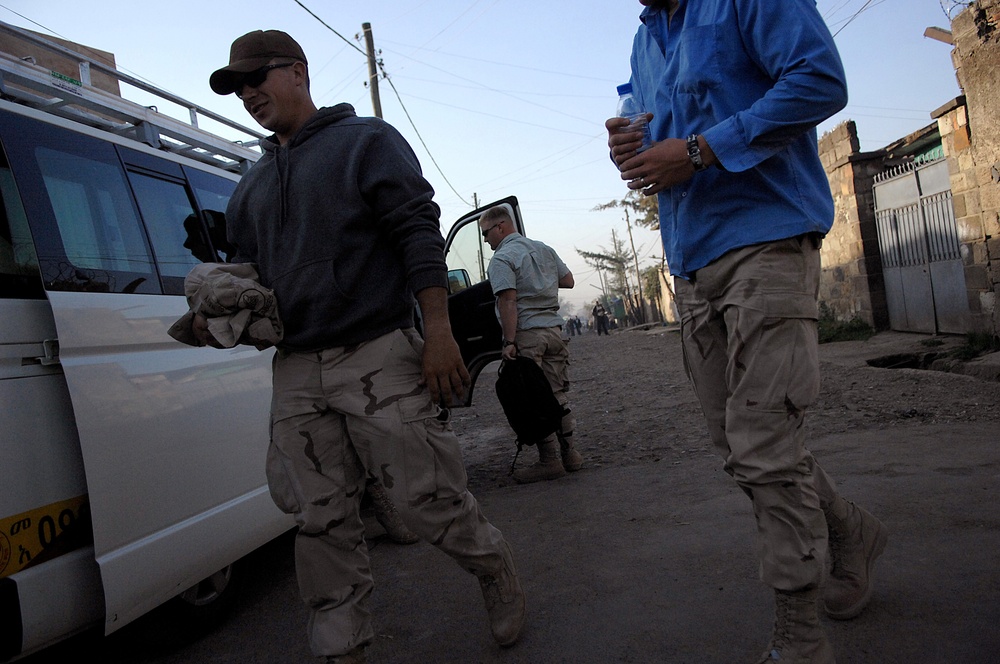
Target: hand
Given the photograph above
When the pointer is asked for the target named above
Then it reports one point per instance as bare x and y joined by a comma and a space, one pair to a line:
444, 372
509, 352
622, 141
199, 327
662, 166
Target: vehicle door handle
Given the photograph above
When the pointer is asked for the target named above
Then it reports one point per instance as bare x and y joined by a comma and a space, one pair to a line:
49, 356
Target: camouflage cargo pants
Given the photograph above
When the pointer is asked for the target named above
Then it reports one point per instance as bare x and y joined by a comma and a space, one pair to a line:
748, 325
337, 416
547, 348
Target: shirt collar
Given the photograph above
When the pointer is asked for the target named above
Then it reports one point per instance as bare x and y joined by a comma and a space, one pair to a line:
652, 12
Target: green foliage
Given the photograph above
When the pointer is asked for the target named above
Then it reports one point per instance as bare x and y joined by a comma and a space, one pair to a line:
831, 329
651, 282
644, 209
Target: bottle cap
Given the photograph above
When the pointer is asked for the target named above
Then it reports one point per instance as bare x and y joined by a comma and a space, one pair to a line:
624, 88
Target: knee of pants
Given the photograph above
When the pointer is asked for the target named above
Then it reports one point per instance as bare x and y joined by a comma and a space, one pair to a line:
319, 482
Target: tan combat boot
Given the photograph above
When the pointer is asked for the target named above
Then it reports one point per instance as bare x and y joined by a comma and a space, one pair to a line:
548, 467
798, 637
388, 517
571, 459
504, 600
857, 539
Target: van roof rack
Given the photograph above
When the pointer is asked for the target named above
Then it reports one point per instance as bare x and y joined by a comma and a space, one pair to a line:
26, 83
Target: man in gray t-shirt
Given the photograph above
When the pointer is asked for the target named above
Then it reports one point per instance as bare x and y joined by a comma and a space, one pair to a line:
526, 276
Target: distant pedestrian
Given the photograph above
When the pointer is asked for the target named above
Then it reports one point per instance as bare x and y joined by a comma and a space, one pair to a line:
600, 315
526, 276
574, 324
735, 89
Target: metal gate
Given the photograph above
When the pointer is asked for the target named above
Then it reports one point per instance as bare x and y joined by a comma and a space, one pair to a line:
918, 241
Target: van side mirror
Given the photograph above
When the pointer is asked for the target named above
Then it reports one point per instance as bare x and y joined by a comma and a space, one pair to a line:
458, 280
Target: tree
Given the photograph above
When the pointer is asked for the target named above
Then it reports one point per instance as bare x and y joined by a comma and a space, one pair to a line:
644, 209
610, 266
613, 270
651, 282
646, 213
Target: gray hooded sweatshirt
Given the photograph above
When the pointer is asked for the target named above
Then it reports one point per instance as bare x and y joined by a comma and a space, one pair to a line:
341, 225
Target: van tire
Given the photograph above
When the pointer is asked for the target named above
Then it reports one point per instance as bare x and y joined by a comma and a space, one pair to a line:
205, 604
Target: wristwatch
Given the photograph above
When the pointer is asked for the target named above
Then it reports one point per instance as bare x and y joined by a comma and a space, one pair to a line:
508, 343
694, 153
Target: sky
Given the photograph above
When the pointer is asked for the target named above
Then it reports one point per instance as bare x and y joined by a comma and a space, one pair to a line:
497, 97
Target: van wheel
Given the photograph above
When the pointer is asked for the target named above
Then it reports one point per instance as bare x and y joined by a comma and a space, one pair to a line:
205, 603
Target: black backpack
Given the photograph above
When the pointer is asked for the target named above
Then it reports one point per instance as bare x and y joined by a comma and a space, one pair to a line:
527, 400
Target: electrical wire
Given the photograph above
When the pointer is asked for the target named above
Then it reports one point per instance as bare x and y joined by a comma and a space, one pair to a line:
386, 78
869, 4
325, 25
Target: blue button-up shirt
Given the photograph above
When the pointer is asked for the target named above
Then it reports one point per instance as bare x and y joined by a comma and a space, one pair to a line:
754, 77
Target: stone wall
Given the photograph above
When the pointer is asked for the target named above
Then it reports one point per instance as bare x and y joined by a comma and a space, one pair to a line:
971, 139
851, 285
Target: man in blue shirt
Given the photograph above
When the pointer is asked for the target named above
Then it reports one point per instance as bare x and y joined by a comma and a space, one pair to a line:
735, 90
526, 276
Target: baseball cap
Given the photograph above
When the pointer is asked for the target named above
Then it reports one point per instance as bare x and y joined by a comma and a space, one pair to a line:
252, 51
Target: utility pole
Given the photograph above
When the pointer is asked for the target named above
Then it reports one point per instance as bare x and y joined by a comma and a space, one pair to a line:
638, 274
372, 69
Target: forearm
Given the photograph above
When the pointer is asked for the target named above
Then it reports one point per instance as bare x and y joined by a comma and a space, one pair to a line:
507, 306
434, 312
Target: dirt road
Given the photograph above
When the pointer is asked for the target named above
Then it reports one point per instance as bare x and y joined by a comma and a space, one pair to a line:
633, 403
646, 554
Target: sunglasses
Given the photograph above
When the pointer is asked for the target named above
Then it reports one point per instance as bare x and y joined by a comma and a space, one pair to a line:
487, 231
257, 77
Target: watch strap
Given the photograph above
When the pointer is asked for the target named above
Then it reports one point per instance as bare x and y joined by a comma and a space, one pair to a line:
694, 153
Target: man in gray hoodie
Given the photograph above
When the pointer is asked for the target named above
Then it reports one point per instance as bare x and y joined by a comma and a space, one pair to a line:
341, 225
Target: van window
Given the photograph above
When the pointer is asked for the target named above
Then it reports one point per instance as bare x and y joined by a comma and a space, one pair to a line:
93, 210
19, 277
213, 194
177, 238
84, 223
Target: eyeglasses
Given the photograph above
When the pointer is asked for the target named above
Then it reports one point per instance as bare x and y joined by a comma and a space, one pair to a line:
487, 231
257, 77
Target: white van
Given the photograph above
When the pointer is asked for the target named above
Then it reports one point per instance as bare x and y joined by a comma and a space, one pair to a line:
132, 466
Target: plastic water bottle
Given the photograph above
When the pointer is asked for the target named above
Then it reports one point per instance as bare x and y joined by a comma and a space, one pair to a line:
628, 107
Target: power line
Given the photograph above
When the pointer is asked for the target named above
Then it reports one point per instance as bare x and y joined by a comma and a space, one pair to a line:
868, 5
325, 25
386, 78
561, 74
433, 160
480, 85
